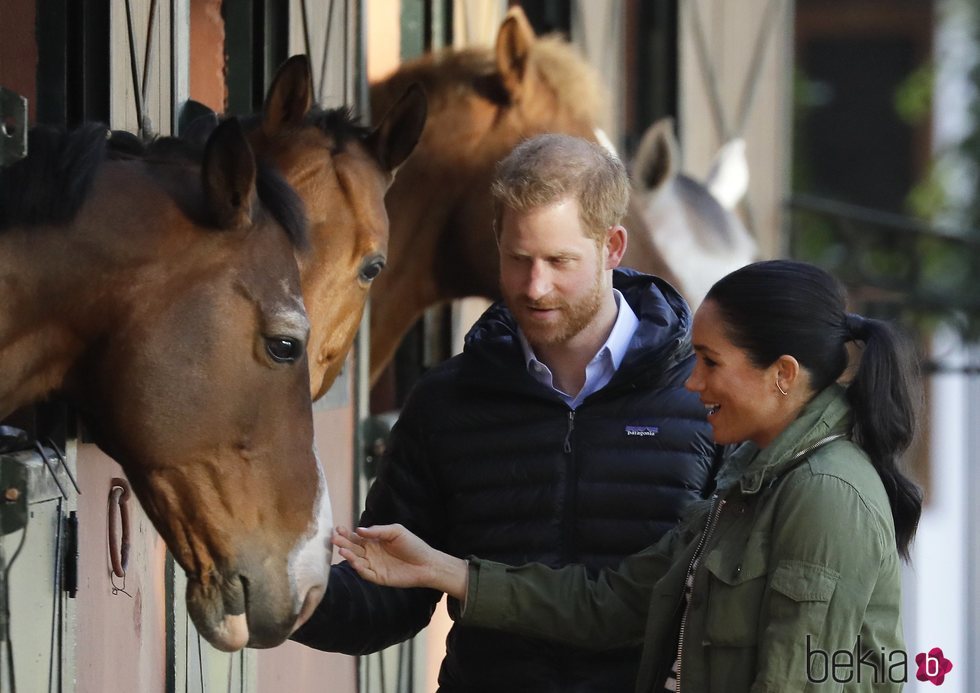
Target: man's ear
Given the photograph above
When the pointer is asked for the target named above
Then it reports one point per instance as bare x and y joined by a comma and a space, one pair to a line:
616, 241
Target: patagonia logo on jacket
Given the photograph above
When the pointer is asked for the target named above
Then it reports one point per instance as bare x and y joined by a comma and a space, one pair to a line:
641, 431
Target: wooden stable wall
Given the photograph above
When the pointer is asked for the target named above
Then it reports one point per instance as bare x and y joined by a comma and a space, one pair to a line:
747, 46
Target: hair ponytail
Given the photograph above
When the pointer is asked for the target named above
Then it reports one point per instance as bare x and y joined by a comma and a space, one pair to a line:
884, 396
781, 307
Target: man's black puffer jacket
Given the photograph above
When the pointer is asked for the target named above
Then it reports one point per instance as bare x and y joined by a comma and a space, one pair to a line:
485, 461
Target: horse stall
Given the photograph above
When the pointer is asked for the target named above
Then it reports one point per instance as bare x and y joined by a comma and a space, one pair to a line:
96, 602
81, 620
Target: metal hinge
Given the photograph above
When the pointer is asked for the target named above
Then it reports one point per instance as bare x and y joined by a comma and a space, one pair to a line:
13, 126
70, 565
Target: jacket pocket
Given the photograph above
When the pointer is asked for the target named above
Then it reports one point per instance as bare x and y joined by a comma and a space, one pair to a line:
801, 594
736, 586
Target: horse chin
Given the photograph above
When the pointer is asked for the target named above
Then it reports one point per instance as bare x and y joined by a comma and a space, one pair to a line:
218, 613
231, 634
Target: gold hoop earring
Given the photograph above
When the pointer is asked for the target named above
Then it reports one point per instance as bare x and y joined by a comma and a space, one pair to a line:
781, 390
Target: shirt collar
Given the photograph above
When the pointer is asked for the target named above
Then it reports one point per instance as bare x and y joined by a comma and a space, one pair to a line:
614, 348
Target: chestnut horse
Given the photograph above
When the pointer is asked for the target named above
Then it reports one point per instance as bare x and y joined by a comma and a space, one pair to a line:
162, 297
341, 171
482, 103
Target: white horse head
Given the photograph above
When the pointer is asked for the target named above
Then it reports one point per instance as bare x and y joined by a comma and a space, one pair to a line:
690, 225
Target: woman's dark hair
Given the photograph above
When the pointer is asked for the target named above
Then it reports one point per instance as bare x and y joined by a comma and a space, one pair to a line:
784, 307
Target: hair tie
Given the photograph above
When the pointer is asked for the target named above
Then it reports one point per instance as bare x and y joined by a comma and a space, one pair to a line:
856, 327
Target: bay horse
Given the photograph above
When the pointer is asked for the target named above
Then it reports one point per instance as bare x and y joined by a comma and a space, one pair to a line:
341, 171
482, 103
160, 294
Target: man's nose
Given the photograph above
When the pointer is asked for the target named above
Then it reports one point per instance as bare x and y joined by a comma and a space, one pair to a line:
539, 282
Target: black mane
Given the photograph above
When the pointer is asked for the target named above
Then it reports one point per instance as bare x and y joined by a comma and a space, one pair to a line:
50, 185
340, 123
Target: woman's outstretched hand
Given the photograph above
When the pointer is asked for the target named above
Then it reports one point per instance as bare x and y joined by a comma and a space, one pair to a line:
391, 555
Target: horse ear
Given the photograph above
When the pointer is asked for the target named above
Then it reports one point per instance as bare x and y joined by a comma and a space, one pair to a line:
228, 176
290, 97
514, 41
656, 159
399, 131
728, 179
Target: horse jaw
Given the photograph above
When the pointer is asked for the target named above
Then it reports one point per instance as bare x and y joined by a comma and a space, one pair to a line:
309, 564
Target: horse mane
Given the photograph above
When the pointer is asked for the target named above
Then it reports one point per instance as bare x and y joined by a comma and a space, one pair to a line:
338, 123
50, 185
574, 82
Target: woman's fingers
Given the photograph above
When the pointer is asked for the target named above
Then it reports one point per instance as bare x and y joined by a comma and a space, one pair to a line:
344, 540
380, 532
359, 564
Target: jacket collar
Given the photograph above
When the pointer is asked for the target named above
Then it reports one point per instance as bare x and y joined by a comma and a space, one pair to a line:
827, 414
662, 338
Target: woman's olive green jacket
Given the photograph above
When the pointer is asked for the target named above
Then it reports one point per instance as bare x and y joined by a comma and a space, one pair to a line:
797, 561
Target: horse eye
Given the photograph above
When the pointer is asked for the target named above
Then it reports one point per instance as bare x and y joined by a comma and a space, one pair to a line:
371, 270
283, 349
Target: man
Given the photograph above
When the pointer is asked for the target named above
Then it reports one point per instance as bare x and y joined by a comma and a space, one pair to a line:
562, 433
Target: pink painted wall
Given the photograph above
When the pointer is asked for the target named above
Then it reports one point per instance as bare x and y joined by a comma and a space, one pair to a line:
120, 640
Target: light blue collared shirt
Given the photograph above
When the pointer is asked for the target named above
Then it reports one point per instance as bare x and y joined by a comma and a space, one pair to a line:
603, 365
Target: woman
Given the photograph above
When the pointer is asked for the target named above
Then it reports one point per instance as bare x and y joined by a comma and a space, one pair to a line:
790, 576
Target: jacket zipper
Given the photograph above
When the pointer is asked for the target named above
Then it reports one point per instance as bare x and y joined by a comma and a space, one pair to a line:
568, 522
568, 434
705, 536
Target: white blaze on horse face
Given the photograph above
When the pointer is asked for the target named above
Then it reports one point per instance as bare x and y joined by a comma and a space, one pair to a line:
309, 563
291, 319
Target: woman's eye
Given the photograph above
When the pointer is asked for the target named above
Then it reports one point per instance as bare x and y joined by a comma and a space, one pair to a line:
283, 349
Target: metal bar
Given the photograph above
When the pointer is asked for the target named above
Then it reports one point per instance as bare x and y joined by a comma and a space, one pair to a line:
56, 599
885, 220
306, 28
147, 56
326, 49
134, 65
64, 463
54, 473
755, 65
347, 66
708, 73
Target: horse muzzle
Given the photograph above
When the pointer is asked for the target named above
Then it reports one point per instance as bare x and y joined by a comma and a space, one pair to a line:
230, 614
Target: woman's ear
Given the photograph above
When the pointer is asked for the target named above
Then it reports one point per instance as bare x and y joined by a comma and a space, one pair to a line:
788, 373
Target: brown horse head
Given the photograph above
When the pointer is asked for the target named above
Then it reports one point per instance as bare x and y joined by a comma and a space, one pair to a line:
167, 305
341, 171
482, 102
